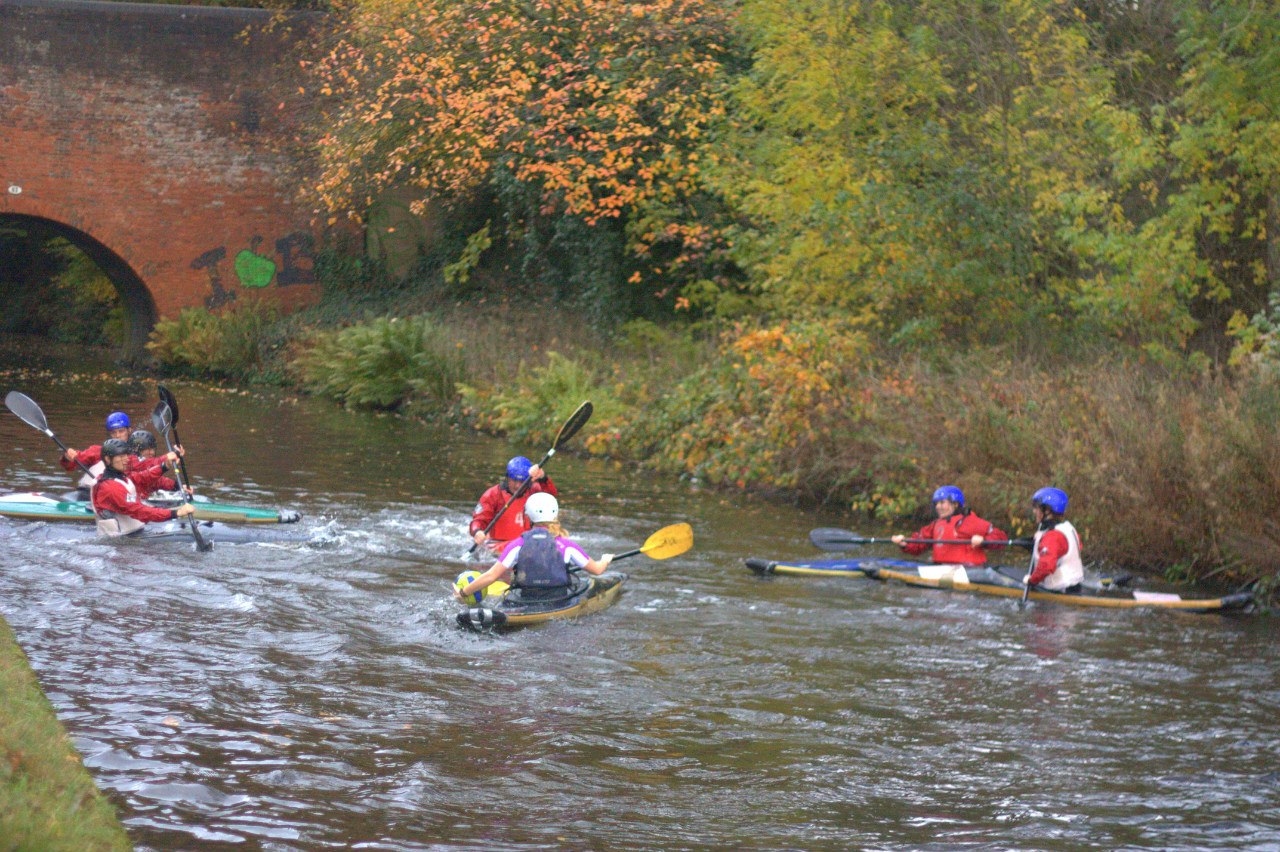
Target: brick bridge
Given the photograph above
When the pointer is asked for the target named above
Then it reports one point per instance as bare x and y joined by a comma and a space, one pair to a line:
146, 135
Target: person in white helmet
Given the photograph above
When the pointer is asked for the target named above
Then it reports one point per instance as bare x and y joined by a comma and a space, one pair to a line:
538, 562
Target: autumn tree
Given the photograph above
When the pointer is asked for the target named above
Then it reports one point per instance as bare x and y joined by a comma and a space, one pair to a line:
575, 124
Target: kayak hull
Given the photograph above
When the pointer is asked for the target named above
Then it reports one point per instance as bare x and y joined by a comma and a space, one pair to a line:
990, 581
37, 507
598, 593
164, 533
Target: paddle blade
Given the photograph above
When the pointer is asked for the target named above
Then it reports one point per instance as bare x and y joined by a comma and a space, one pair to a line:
162, 418
167, 399
575, 422
26, 410
668, 542
830, 538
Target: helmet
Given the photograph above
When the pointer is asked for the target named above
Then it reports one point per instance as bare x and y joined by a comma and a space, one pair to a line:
117, 420
541, 508
518, 468
142, 440
115, 447
949, 492
1053, 499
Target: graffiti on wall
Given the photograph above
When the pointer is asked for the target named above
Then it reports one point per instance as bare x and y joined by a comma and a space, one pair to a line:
295, 254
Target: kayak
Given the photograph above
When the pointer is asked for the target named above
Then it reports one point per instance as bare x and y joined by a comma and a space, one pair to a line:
992, 580
590, 595
34, 506
165, 532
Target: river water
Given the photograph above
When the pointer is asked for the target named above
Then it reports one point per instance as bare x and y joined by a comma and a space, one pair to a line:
317, 696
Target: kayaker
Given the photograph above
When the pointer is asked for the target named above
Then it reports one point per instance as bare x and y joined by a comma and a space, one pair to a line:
513, 522
117, 500
91, 457
143, 459
1055, 552
965, 532
538, 561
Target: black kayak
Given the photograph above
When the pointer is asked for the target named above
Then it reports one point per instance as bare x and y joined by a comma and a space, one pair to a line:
990, 580
514, 610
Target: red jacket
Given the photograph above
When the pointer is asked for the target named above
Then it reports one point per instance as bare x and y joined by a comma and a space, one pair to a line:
961, 525
152, 467
110, 493
513, 523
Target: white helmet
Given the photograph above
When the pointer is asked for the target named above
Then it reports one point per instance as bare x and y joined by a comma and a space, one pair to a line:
541, 508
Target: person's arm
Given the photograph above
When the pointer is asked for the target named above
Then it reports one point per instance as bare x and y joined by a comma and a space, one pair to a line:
481, 515
113, 497
578, 558
1053, 546
924, 532
981, 532
545, 484
497, 571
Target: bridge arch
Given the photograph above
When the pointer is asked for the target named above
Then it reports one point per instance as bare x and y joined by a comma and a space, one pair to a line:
134, 295
157, 138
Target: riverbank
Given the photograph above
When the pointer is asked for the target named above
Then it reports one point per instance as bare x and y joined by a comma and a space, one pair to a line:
47, 799
1167, 466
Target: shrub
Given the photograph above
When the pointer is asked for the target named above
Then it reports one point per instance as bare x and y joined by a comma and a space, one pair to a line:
235, 342
382, 363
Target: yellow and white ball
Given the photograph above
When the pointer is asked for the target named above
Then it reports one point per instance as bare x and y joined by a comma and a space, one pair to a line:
465, 579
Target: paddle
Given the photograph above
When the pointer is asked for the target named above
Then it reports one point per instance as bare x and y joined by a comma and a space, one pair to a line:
664, 544
829, 538
162, 419
576, 421
28, 412
167, 399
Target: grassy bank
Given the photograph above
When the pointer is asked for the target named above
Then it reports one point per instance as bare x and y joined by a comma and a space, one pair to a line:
1169, 469
47, 800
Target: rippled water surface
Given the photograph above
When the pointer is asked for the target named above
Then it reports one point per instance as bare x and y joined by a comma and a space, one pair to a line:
317, 696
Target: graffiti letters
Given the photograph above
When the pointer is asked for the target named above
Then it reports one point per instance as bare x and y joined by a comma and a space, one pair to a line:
210, 261
255, 271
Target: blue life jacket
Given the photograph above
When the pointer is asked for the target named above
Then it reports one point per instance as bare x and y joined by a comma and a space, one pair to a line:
539, 564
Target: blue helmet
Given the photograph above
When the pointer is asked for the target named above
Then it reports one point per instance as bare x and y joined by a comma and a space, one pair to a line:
518, 468
117, 420
1053, 499
949, 492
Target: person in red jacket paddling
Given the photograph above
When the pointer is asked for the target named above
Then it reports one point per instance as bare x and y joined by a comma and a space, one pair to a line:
117, 504
513, 523
1055, 554
91, 457
964, 532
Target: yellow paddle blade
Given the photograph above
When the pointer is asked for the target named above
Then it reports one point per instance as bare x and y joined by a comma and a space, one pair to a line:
668, 541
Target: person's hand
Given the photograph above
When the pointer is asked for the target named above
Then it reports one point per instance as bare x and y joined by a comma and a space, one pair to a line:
535, 473
606, 560
977, 540
1026, 581
177, 448
457, 595
191, 491
479, 537
71, 454
186, 509
898, 539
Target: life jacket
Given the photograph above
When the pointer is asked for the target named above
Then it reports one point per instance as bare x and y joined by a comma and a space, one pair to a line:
88, 479
110, 523
539, 564
1070, 570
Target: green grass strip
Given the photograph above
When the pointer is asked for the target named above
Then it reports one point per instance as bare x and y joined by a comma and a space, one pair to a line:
47, 799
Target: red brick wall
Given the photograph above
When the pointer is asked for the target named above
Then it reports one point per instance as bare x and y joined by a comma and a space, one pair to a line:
155, 131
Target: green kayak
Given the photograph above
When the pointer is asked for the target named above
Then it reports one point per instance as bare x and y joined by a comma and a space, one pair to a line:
38, 507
